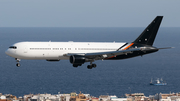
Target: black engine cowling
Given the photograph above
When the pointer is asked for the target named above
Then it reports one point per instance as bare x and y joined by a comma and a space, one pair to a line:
76, 59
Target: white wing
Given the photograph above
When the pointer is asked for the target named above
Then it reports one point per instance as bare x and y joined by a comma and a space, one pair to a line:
103, 55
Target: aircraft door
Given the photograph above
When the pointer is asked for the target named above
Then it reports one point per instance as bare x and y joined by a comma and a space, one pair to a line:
25, 49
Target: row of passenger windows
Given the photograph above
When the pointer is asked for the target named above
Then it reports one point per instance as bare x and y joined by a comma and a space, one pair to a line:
71, 48
40, 48
95, 49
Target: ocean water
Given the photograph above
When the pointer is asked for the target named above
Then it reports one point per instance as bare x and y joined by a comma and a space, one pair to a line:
110, 77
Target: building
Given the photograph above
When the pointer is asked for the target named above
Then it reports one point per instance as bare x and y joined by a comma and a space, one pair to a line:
115, 98
104, 98
136, 97
8, 97
167, 97
94, 99
81, 97
3, 98
73, 96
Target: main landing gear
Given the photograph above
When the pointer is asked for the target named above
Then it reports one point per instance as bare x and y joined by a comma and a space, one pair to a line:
91, 66
18, 64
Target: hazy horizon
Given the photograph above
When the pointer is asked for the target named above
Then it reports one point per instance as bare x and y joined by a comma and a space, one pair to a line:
92, 13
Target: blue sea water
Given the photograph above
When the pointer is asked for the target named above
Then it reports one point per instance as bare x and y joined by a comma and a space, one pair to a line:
110, 77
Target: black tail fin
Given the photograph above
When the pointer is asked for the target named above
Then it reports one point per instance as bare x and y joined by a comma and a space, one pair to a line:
149, 34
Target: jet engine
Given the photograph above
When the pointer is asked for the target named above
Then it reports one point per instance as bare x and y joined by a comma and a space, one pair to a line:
77, 60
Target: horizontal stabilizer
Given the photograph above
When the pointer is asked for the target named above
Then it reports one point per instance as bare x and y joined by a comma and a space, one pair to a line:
166, 48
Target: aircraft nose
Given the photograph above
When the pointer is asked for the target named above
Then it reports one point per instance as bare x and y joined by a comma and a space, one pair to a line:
7, 52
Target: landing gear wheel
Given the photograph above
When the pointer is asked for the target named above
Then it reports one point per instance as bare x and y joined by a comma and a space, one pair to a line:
94, 65
18, 65
89, 66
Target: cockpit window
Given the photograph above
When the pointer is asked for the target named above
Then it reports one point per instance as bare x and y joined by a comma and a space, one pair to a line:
13, 47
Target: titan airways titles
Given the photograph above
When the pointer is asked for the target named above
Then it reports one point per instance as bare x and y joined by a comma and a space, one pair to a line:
80, 52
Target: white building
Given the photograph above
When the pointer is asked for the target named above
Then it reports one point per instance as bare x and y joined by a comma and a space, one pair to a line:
115, 98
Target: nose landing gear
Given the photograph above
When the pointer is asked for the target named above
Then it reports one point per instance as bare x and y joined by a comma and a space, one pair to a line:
18, 64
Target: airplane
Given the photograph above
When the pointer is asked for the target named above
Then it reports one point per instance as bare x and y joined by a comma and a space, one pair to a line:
80, 52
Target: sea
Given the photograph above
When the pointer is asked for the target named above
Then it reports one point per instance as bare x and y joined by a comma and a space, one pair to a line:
110, 77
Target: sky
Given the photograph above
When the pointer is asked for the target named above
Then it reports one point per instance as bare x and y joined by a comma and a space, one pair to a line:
88, 13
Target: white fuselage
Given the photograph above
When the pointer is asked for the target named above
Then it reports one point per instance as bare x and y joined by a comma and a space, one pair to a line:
57, 50
80, 52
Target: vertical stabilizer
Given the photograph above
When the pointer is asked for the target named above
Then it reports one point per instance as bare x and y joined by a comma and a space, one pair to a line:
148, 36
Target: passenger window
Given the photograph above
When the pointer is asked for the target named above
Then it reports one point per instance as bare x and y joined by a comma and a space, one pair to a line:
13, 47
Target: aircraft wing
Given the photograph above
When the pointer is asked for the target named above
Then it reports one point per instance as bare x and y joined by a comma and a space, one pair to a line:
103, 55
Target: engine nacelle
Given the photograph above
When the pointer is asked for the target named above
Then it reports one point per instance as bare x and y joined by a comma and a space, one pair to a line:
76, 59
